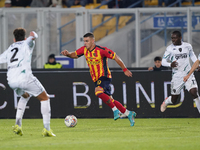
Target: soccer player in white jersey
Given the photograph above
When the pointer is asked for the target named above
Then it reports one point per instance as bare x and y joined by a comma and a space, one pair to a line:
22, 81
177, 56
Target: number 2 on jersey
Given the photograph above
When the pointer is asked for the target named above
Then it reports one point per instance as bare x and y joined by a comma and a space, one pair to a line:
13, 56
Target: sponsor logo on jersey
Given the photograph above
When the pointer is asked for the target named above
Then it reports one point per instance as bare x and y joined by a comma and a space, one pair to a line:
180, 56
93, 62
91, 58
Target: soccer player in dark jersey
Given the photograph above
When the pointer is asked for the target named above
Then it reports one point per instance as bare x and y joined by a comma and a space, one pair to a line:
97, 60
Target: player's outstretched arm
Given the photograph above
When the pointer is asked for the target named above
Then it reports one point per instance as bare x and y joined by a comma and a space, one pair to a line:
194, 66
69, 54
121, 64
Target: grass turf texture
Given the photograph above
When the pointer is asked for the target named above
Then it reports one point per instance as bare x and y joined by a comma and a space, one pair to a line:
104, 134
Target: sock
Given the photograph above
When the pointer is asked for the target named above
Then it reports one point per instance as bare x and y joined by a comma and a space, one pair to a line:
46, 113
197, 101
119, 106
168, 100
20, 110
114, 108
127, 112
106, 99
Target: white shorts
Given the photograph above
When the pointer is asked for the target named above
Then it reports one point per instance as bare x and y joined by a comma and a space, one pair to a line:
32, 86
177, 84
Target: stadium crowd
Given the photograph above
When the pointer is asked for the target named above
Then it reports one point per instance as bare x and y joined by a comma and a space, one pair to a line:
67, 3
83, 3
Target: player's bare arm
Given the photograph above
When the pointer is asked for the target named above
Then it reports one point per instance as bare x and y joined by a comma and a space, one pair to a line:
121, 64
69, 54
194, 66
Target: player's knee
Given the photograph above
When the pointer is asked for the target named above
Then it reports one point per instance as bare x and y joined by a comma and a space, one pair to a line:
98, 91
194, 93
43, 96
25, 95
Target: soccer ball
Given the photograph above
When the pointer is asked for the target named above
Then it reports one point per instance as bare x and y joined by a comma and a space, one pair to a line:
70, 121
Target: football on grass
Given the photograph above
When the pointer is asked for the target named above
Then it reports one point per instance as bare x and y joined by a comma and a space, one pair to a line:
70, 121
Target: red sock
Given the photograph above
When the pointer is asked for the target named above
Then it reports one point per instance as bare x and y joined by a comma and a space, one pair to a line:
106, 99
120, 106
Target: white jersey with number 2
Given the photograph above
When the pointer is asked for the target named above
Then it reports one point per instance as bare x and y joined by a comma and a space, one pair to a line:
18, 59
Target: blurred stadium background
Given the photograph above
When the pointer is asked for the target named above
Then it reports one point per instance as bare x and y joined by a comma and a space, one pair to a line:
136, 34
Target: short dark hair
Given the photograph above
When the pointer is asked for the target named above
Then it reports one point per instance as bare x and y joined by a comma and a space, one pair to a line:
178, 33
91, 35
19, 34
157, 58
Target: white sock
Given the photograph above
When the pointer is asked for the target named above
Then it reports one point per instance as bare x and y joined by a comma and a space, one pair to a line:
20, 110
168, 100
127, 112
46, 113
114, 108
197, 101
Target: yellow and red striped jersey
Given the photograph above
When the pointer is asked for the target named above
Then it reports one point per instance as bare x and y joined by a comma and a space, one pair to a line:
97, 60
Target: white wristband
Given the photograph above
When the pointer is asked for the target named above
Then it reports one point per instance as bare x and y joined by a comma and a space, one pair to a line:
35, 34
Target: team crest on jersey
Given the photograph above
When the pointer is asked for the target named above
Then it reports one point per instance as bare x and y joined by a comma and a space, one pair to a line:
94, 54
180, 49
174, 90
98, 82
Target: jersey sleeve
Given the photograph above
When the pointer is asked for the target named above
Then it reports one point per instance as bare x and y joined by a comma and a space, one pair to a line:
166, 61
80, 52
108, 53
30, 40
191, 54
3, 57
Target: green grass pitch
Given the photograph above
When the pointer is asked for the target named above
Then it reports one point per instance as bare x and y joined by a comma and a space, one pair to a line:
104, 134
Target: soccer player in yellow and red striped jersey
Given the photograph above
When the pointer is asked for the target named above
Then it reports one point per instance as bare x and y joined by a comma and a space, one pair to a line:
97, 60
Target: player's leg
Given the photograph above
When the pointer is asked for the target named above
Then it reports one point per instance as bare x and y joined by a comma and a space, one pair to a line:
36, 89
168, 101
102, 91
45, 109
192, 87
99, 92
176, 87
46, 113
195, 95
21, 106
130, 114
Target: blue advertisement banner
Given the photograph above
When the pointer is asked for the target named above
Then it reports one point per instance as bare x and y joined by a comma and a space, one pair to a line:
174, 21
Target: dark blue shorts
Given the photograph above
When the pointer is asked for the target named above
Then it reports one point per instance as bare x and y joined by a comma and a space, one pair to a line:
104, 82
